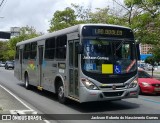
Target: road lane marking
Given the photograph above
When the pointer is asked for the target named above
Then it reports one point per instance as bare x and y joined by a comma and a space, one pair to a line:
149, 100
23, 112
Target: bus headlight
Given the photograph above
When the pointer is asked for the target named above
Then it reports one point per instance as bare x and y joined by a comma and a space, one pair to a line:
133, 83
88, 84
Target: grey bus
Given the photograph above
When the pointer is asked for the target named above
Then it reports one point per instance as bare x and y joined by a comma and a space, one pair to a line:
85, 62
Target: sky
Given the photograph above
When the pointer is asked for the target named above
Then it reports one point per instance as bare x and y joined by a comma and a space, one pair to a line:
38, 13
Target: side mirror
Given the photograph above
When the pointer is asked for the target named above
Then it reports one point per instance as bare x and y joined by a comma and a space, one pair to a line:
80, 49
138, 51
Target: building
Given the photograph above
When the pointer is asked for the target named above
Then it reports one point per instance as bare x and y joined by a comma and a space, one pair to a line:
145, 51
145, 48
15, 31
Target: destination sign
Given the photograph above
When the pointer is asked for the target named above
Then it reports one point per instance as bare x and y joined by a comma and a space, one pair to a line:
107, 31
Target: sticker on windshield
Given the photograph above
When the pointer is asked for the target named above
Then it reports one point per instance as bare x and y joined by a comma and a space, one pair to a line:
117, 69
90, 67
107, 68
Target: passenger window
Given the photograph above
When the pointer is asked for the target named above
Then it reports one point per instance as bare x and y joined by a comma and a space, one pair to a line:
27, 49
33, 50
61, 43
50, 48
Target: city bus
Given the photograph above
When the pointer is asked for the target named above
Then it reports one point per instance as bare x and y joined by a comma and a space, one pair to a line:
84, 63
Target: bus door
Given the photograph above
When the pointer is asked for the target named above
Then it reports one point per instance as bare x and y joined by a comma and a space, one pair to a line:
73, 69
20, 60
39, 66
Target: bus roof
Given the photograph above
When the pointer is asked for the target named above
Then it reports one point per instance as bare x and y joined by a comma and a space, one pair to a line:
65, 31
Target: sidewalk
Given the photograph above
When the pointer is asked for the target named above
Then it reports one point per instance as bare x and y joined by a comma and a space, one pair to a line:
10, 105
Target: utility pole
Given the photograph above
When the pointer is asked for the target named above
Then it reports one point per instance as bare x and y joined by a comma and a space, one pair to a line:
1, 3
4, 35
1, 6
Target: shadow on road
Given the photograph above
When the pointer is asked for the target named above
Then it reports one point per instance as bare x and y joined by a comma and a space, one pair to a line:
89, 107
104, 106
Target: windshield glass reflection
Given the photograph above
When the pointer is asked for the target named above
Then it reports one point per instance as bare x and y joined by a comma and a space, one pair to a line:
108, 57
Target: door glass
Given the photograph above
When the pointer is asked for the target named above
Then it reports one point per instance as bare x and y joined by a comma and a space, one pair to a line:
40, 55
40, 63
71, 54
73, 71
76, 68
76, 54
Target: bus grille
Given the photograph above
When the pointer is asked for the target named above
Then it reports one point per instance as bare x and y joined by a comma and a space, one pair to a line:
112, 80
121, 86
113, 94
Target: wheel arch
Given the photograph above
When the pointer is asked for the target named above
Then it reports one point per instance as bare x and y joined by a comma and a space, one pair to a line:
58, 78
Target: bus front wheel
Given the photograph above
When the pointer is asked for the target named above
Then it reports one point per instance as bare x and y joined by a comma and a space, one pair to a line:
61, 97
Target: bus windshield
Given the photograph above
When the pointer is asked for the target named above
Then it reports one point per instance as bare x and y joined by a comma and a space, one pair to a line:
108, 56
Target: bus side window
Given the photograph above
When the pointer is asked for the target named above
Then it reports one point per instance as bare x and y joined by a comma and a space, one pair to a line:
50, 48
61, 43
27, 50
33, 50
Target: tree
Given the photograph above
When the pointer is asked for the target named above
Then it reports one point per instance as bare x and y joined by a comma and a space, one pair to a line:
62, 19
146, 24
2, 48
150, 60
82, 13
105, 15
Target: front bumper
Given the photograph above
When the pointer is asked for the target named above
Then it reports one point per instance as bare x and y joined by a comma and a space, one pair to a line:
87, 95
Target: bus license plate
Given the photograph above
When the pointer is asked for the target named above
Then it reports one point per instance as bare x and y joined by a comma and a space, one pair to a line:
157, 89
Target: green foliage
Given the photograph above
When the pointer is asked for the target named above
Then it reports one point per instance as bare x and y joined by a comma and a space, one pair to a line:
2, 49
100, 16
79, 14
156, 52
146, 24
82, 13
151, 60
69, 17
62, 19
105, 16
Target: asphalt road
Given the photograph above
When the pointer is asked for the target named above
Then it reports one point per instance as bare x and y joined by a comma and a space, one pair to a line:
47, 103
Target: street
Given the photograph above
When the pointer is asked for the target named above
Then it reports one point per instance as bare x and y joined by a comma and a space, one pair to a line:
47, 103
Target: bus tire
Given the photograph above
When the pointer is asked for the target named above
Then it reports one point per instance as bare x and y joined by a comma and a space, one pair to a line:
60, 91
27, 86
